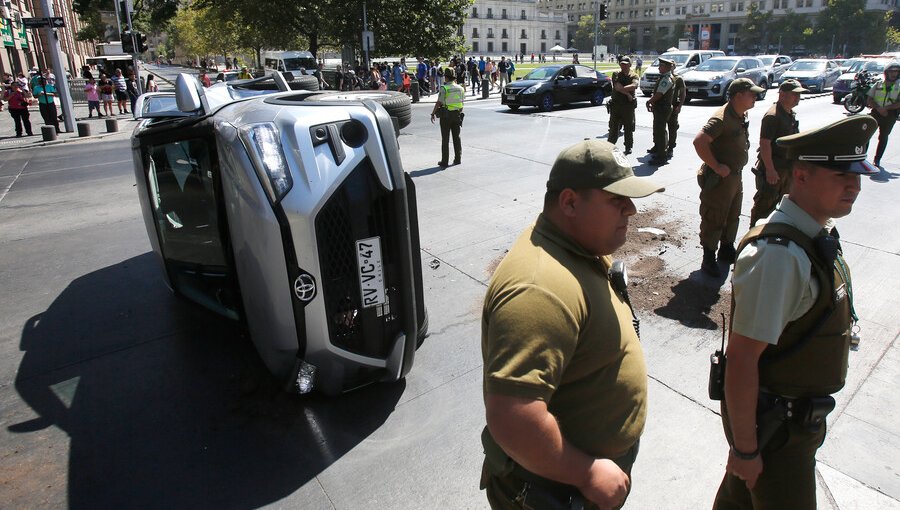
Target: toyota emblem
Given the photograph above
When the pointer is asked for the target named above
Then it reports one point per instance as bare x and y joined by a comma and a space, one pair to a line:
305, 287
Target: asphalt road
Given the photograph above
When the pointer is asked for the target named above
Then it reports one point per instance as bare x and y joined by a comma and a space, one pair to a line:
115, 394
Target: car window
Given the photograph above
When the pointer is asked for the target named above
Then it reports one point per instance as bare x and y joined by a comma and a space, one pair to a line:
767, 61
542, 73
585, 72
808, 65
718, 64
679, 58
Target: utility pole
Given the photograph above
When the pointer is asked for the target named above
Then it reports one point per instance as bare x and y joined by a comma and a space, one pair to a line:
134, 45
596, 27
366, 44
62, 84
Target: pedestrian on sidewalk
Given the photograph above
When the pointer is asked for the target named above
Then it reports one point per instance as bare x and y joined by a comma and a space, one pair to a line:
782, 371
18, 101
45, 92
449, 108
92, 92
107, 88
150, 84
121, 91
132, 90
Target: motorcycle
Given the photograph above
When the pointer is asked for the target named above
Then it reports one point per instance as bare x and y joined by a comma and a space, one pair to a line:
856, 100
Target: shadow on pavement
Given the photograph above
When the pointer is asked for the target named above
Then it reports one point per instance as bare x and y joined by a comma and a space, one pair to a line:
883, 176
693, 300
167, 405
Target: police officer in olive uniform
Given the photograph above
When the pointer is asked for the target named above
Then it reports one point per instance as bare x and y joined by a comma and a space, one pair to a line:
679, 97
660, 104
884, 100
772, 171
449, 107
565, 383
623, 103
723, 145
782, 370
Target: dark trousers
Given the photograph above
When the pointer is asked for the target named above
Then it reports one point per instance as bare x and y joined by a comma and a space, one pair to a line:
621, 116
450, 124
661, 130
673, 126
767, 195
48, 113
885, 125
788, 479
720, 207
20, 117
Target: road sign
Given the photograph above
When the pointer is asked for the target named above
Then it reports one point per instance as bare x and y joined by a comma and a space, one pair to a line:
56, 22
368, 40
35, 22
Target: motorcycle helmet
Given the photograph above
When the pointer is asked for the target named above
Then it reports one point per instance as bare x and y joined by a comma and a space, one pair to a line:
892, 66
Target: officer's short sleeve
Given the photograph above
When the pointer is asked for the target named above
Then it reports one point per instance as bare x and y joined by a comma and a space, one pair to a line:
872, 91
664, 85
530, 336
769, 128
442, 95
772, 287
714, 127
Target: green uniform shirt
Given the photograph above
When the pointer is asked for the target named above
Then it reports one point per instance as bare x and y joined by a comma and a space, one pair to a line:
731, 140
553, 329
773, 284
665, 86
451, 96
630, 78
777, 122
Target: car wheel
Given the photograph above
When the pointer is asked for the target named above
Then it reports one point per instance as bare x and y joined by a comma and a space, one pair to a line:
546, 102
598, 97
771, 81
762, 95
836, 98
397, 104
513, 107
725, 96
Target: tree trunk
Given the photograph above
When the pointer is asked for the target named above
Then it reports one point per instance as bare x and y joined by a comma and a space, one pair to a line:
314, 44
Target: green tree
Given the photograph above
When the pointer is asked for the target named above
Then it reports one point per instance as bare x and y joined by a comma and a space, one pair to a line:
754, 33
852, 30
584, 33
790, 30
148, 16
621, 37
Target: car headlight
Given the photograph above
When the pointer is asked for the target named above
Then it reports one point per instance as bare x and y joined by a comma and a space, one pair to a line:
532, 89
263, 143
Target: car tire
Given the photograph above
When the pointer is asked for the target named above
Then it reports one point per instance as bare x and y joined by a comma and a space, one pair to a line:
304, 82
397, 104
836, 99
725, 97
546, 103
598, 97
771, 81
513, 107
422, 332
762, 95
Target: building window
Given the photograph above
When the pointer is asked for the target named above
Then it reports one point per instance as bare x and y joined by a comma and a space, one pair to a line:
734, 28
736, 6
648, 13
717, 7
490, 33
664, 11
503, 14
543, 47
474, 33
490, 46
681, 10
475, 47
543, 34
474, 12
490, 14
557, 34
523, 15
503, 34
523, 36
504, 46
700, 9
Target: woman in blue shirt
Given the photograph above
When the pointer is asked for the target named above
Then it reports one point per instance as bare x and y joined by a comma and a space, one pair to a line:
45, 92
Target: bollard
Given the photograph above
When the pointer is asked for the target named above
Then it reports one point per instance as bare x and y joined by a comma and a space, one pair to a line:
485, 88
48, 133
112, 125
414, 91
84, 129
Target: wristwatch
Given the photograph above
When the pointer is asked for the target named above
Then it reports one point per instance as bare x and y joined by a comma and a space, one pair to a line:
745, 456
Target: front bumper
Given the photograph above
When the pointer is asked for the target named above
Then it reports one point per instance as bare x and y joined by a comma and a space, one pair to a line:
705, 89
518, 97
648, 81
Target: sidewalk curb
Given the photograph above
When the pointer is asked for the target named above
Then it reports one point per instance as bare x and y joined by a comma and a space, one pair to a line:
63, 140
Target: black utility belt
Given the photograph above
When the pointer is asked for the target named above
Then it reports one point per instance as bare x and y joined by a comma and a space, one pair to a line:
533, 491
807, 412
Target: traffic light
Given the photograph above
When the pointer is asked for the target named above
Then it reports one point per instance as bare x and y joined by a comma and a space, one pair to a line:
127, 42
141, 41
602, 15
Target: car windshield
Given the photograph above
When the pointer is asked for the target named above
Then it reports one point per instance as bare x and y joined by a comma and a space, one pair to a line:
542, 73
808, 66
295, 64
158, 104
717, 64
875, 66
855, 66
767, 61
679, 58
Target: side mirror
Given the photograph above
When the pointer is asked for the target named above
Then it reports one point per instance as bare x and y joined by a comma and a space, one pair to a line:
187, 93
740, 70
776, 64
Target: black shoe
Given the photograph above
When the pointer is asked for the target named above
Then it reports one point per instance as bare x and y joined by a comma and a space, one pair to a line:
657, 161
627, 150
442, 164
709, 265
726, 254
878, 163
670, 151
19, 135
651, 150
99, 116
456, 161
91, 116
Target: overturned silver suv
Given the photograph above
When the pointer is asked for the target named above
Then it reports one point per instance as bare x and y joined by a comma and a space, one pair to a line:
290, 211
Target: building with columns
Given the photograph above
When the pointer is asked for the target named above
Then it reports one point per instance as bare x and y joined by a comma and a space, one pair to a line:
654, 25
505, 27
25, 48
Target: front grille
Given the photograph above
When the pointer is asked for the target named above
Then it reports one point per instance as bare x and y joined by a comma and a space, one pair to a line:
359, 209
697, 84
651, 77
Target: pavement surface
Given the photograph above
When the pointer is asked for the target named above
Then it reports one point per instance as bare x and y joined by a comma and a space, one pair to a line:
114, 393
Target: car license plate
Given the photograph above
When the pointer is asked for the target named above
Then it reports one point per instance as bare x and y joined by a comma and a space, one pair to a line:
693, 89
510, 97
371, 275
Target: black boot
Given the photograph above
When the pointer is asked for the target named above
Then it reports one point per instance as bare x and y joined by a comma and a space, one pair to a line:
726, 253
709, 265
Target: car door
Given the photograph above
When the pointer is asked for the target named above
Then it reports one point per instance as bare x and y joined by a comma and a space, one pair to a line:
585, 83
834, 71
181, 186
563, 86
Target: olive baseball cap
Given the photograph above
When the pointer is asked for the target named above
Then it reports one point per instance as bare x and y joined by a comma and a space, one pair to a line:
598, 164
742, 84
625, 60
840, 146
792, 86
